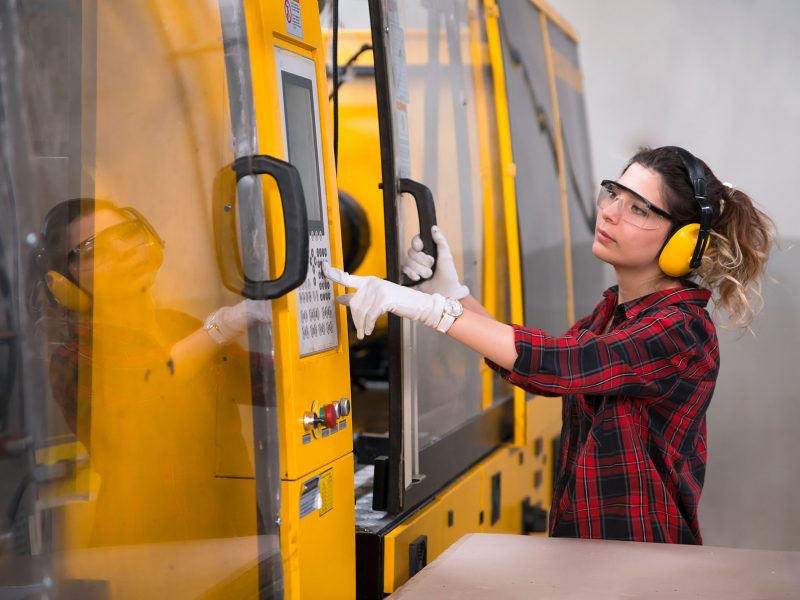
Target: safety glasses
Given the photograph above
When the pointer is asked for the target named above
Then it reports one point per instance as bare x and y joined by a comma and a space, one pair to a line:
635, 209
136, 231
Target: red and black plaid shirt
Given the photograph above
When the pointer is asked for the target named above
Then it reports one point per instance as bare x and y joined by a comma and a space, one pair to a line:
632, 455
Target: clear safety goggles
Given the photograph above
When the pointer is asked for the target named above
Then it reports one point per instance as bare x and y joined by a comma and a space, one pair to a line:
117, 239
634, 209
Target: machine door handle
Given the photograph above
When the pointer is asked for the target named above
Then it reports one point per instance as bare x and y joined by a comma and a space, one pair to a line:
295, 219
426, 211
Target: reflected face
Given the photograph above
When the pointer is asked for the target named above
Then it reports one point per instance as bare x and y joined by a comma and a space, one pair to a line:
122, 253
620, 242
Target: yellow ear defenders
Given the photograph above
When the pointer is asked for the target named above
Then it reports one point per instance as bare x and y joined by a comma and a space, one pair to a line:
684, 248
67, 293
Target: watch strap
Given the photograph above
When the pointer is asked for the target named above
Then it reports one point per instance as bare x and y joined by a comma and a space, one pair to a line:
452, 310
445, 322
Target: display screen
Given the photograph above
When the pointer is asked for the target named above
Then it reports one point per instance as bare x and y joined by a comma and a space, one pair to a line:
301, 130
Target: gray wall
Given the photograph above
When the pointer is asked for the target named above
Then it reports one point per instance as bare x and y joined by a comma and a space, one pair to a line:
722, 78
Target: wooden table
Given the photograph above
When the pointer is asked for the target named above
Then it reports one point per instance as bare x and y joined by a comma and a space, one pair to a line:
502, 567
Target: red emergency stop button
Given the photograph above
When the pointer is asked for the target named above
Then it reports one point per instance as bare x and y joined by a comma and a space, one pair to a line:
329, 415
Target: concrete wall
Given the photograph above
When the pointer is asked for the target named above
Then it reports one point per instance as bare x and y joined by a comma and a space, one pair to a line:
722, 78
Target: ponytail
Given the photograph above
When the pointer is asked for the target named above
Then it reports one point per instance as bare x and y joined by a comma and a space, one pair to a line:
733, 267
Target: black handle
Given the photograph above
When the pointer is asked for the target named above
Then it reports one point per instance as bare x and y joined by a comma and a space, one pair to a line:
295, 221
426, 211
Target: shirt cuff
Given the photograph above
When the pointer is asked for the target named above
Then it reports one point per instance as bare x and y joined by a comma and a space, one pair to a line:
528, 345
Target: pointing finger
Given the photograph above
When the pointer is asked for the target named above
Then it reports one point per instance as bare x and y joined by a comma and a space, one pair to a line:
344, 299
358, 312
341, 277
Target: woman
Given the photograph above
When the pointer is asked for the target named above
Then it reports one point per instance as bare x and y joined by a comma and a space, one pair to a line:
139, 384
637, 374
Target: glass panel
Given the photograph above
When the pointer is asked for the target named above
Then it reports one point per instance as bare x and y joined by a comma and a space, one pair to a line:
435, 97
135, 424
581, 187
537, 188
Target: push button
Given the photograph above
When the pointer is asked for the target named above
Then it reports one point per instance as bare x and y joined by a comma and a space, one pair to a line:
342, 407
329, 415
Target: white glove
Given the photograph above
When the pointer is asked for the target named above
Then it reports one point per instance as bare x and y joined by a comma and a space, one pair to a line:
375, 296
445, 280
229, 322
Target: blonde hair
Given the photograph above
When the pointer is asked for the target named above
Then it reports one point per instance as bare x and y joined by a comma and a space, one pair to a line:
734, 264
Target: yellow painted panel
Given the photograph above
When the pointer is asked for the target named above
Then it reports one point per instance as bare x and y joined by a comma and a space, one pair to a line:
319, 548
189, 568
524, 473
544, 425
317, 539
544, 415
462, 498
324, 377
516, 482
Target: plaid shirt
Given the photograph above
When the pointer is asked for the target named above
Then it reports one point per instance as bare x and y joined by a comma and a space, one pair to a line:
632, 453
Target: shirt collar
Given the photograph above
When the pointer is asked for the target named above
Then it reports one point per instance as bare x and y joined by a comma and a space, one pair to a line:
682, 295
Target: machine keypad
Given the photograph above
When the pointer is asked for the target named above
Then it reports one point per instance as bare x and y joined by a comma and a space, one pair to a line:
317, 317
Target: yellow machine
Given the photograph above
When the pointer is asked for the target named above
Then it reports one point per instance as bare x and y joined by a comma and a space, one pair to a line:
185, 412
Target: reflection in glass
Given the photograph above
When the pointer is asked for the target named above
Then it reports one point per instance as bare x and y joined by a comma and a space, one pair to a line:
133, 379
137, 448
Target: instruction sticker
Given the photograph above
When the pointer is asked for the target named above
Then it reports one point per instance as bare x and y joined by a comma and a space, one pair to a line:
310, 499
326, 491
317, 494
294, 23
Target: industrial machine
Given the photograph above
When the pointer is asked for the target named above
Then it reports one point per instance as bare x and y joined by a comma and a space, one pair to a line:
185, 412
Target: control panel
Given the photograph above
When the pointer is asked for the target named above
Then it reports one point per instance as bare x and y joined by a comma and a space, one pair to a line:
297, 90
325, 419
315, 307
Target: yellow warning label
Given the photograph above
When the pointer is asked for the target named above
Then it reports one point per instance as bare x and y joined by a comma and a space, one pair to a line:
326, 491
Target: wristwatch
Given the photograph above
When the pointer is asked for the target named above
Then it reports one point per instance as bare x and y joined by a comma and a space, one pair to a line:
452, 310
212, 329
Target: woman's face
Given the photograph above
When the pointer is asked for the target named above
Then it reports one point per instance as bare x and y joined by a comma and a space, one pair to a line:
121, 256
621, 243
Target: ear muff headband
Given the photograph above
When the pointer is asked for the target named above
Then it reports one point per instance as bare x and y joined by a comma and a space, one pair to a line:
684, 249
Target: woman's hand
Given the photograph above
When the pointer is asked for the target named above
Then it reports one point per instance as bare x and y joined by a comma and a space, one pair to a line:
444, 281
229, 322
374, 297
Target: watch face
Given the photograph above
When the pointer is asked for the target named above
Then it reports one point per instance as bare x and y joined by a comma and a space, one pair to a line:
453, 308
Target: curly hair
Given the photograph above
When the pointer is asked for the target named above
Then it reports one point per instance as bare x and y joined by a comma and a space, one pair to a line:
733, 266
